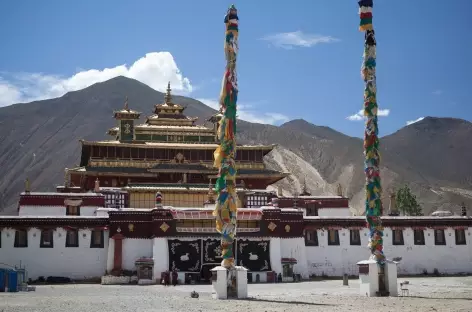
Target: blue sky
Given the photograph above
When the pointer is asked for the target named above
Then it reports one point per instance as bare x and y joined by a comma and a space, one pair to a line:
298, 59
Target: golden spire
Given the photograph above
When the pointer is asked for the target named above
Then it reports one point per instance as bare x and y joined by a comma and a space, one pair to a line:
126, 104
168, 96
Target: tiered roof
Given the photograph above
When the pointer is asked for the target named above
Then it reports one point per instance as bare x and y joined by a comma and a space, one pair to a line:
168, 118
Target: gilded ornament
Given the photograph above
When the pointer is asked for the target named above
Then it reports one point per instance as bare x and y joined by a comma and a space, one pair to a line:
287, 228
164, 227
127, 128
131, 227
272, 226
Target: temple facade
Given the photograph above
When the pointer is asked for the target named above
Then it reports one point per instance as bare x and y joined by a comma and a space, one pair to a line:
105, 222
78, 235
167, 153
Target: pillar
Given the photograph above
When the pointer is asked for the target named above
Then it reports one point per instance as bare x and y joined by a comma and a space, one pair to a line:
118, 254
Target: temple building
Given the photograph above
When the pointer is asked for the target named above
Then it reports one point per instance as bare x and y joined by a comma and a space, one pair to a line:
167, 153
142, 204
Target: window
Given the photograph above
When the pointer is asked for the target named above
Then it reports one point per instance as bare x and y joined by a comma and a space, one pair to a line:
21, 239
46, 239
256, 201
333, 237
244, 224
72, 238
97, 239
311, 238
73, 211
397, 237
355, 237
439, 237
460, 237
418, 237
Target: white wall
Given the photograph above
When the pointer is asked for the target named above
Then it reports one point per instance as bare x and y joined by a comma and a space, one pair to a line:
73, 262
160, 253
41, 211
133, 249
334, 212
337, 260
449, 258
295, 248
110, 255
275, 255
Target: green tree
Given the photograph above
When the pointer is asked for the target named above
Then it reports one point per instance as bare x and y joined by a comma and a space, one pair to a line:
407, 203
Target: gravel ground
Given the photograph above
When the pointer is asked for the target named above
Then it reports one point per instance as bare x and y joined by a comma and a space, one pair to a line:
426, 294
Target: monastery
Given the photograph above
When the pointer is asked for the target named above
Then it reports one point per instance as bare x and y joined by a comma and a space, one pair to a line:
107, 222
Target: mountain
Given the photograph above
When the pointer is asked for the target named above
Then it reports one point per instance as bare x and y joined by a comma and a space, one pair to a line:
40, 139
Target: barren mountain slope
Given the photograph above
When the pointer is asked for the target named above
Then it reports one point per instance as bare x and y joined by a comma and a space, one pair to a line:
39, 139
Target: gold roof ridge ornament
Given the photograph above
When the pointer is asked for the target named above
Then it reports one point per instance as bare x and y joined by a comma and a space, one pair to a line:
126, 107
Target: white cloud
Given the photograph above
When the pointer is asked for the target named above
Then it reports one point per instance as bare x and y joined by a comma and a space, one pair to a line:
437, 92
360, 114
245, 113
409, 122
154, 69
288, 40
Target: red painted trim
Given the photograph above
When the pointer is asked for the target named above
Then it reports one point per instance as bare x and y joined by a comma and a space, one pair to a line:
118, 254
50, 200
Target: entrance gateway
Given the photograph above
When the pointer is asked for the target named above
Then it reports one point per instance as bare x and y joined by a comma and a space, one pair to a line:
196, 258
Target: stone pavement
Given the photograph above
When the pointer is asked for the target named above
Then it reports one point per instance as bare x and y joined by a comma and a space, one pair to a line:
426, 294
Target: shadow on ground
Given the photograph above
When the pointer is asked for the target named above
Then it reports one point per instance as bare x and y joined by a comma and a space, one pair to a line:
434, 298
286, 302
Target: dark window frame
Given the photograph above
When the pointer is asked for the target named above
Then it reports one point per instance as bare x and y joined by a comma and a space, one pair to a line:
355, 240
17, 243
314, 241
443, 234
419, 241
68, 235
102, 239
458, 240
50, 233
336, 241
394, 241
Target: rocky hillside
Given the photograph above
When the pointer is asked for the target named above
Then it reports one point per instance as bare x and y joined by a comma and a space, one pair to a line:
40, 139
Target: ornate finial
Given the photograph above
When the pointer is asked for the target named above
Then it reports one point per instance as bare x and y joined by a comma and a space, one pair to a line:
27, 186
168, 96
231, 14
280, 192
97, 186
126, 104
66, 177
340, 190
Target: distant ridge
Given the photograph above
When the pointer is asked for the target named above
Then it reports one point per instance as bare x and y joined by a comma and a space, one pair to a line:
38, 140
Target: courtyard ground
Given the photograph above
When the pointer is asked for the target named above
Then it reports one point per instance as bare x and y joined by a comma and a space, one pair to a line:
426, 294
